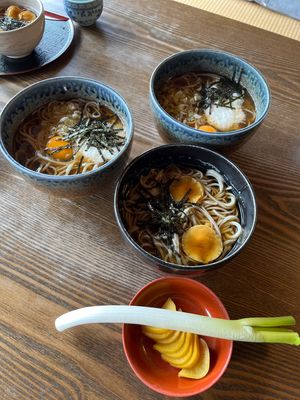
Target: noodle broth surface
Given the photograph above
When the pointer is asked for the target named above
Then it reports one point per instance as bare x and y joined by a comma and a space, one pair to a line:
207, 102
166, 227
69, 137
15, 17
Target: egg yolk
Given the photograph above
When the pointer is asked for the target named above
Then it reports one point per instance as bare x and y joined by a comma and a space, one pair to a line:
26, 16
207, 128
201, 243
179, 188
13, 12
57, 148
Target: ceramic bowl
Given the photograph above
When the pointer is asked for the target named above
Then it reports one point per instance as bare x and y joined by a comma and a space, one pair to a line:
190, 296
84, 12
215, 62
21, 42
202, 159
64, 88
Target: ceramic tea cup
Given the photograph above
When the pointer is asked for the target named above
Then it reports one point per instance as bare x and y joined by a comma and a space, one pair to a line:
84, 12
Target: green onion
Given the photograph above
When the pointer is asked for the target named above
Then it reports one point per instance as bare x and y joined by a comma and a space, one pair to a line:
268, 330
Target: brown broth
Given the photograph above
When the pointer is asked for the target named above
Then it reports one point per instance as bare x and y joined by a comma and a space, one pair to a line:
42, 141
182, 96
15, 17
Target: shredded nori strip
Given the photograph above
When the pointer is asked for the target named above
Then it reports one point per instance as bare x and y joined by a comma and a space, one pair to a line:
167, 217
95, 133
221, 93
92, 133
9, 24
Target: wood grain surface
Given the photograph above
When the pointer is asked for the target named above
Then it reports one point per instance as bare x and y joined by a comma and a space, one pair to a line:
61, 254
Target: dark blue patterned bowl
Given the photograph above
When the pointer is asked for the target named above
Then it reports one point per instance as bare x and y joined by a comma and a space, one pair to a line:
215, 62
64, 88
193, 157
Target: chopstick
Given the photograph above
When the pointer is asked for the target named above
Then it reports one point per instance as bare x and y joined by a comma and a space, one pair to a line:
55, 17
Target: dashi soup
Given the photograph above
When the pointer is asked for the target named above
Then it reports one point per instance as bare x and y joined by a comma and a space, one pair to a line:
69, 137
207, 102
15, 17
182, 215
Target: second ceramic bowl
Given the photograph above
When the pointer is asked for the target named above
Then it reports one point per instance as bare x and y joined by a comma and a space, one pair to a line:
215, 62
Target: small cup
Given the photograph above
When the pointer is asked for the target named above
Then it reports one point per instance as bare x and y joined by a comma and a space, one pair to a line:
84, 12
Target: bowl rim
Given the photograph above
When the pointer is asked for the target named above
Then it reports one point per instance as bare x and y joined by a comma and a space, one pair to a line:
220, 306
158, 261
66, 178
83, 1
194, 131
38, 18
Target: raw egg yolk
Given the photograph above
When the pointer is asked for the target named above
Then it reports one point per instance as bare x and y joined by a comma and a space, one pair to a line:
202, 244
207, 128
53, 148
13, 12
179, 188
26, 16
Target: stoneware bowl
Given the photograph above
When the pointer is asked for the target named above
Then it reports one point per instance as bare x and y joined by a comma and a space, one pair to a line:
21, 42
64, 88
84, 12
190, 296
215, 62
202, 159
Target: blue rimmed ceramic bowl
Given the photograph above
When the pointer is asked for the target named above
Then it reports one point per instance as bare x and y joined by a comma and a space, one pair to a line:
200, 158
84, 12
65, 88
214, 62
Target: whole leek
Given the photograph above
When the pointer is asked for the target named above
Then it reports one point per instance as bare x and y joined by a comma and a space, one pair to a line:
267, 330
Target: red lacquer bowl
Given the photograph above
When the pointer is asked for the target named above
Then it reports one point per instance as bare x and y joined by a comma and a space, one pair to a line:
190, 296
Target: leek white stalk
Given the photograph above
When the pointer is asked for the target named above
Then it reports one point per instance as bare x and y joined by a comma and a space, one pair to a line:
270, 330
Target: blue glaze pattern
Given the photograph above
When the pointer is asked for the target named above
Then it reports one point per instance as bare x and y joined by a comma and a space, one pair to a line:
215, 62
64, 88
84, 13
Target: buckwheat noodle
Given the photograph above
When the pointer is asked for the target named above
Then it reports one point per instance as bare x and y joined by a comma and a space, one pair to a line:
218, 209
55, 119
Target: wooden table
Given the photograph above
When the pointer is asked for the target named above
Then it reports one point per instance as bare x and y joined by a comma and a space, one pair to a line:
57, 254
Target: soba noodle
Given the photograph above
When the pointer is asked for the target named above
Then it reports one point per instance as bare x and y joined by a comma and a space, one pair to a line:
68, 137
207, 102
159, 223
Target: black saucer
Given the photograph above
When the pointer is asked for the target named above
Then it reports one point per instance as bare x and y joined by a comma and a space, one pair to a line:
57, 38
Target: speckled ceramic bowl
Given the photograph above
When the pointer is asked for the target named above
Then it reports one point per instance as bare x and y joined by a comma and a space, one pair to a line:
84, 12
65, 88
202, 159
215, 62
20, 42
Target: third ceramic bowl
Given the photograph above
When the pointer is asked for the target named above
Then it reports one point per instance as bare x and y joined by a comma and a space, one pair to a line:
185, 156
